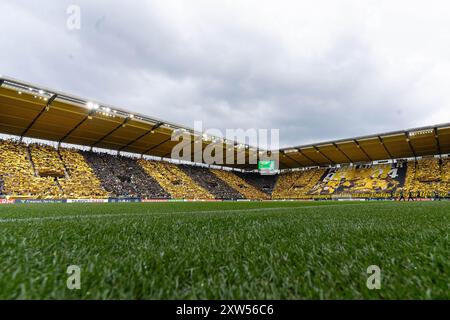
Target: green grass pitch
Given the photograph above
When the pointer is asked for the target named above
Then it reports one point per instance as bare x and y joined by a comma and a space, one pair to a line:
230, 250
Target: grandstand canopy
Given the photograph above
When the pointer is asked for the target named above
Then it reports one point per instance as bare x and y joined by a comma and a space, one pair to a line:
425, 141
28, 110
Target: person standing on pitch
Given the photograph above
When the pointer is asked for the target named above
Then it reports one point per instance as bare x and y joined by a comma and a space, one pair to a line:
402, 197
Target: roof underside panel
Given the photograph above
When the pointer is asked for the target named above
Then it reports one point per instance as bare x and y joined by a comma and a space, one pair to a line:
288, 162
17, 111
424, 144
444, 139
353, 151
333, 153
301, 159
315, 156
374, 148
398, 146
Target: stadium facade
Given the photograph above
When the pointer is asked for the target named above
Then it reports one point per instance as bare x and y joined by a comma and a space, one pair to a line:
411, 163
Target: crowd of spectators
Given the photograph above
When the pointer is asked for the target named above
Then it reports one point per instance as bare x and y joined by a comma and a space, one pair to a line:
41, 171
264, 183
445, 170
81, 181
377, 180
209, 181
296, 184
123, 177
240, 185
428, 170
427, 178
46, 161
177, 183
19, 178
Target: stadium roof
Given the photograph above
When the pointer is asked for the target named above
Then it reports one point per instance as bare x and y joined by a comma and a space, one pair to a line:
28, 110
425, 141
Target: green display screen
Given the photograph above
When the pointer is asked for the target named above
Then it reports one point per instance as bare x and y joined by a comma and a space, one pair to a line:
268, 165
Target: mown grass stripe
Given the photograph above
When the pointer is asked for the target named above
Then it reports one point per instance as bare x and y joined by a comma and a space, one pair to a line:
153, 214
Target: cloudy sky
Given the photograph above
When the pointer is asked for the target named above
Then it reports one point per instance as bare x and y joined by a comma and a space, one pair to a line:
317, 70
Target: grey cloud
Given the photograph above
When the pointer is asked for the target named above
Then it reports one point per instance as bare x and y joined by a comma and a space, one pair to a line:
228, 73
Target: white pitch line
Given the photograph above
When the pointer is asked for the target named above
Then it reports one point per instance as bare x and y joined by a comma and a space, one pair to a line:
152, 214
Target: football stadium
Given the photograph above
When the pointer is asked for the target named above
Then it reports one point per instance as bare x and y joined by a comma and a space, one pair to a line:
144, 226
117, 181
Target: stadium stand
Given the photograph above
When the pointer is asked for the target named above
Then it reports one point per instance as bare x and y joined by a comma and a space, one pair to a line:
426, 177
428, 170
240, 185
446, 170
209, 181
19, 178
366, 180
296, 184
123, 177
82, 182
46, 161
41, 171
264, 183
177, 183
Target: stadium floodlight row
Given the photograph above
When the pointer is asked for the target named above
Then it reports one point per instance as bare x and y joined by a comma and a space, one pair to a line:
28, 110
